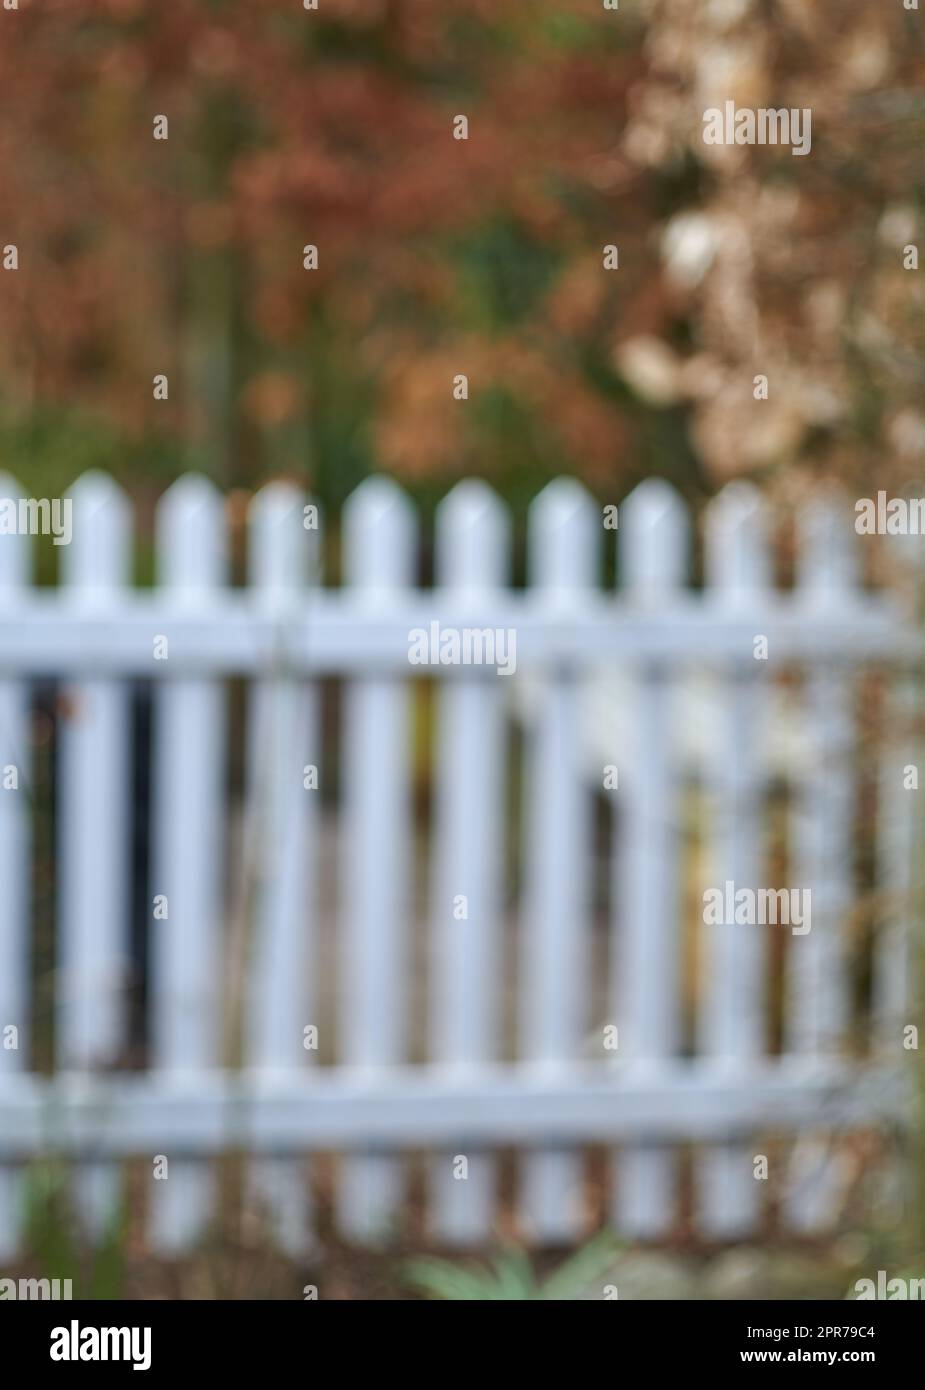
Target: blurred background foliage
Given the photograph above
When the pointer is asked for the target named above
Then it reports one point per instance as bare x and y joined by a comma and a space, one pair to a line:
437, 257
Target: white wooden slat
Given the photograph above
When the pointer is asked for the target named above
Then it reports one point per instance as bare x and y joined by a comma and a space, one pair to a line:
894, 973
893, 964
280, 846
563, 553
94, 812
15, 839
646, 894
821, 842
187, 947
471, 556
379, 542
732, 1012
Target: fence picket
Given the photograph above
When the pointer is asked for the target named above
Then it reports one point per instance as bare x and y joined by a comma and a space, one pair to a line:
893, 962
95, 807
893, 991
186, 945
731, 1016
472, 541
564, 545
379, 543
646, 893
15, 839
280, 844
821, 844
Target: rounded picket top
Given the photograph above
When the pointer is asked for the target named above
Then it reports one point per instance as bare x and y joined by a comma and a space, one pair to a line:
826, 559
15, 548
737, 559
99, 553
282, 551
564, 537
380, 536
192, 534
472, 537
654, 539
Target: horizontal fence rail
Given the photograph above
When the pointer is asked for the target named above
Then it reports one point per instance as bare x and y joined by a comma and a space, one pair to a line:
338, 634
324, 971
429, 1105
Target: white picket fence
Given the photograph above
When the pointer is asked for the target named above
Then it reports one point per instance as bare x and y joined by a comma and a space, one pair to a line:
565, 1090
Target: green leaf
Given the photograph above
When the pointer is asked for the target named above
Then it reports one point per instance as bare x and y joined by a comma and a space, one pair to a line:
444, 1280
586, 1265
